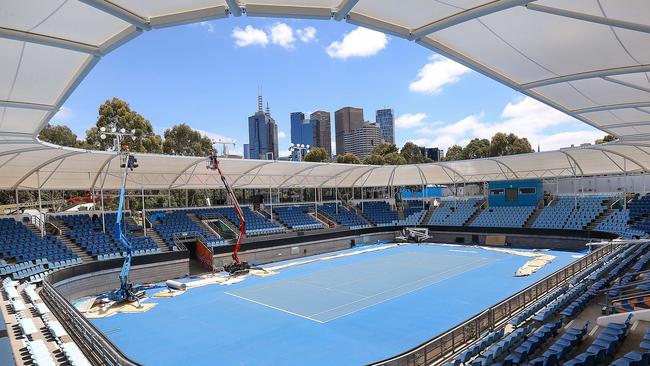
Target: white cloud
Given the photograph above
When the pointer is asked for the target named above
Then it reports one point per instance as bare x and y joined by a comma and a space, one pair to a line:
361, 42
306, 34
284, 153
208, 26
249, 36
525, 118
409, 120
281, 135
282, 35
436, 74
63, 115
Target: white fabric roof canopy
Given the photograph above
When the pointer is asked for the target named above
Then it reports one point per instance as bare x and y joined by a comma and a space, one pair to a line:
587, 58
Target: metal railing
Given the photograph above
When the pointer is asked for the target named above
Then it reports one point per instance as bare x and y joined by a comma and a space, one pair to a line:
98, 349
447, 344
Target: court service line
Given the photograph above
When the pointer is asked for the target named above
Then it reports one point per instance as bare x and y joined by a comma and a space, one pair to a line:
395, 296
275, 308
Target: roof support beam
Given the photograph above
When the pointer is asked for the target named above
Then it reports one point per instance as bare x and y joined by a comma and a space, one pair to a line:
22, 36
590, 18
344, 9
119, 12
188, 167
610, 107
570, 158
629, 124
99, 171
645, 169
234, 8
44, 164
587, 75
625, 83
26, 105
500, 163
467, 15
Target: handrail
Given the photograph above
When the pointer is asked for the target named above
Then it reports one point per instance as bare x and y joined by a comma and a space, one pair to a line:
93, 342
445, 345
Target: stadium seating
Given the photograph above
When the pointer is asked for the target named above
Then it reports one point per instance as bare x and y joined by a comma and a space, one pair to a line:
454, 212
571, 212
297, 218
379, 212
503, 216
343, 216
19, 244
617, 222
89, 235
256, 224
414, 212
639, 206
179, 223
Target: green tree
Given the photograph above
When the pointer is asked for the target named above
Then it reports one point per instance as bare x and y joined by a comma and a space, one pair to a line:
606, 138
317, 155
347, 158
395, 159
384, 149
454, 152
118, 111
477, 148
59, 135
183, 140
412, 154
508, 144
374, 159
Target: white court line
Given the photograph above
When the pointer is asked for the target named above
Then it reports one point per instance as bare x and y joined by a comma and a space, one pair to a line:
569, 324
398, 295
593, 331
275, 308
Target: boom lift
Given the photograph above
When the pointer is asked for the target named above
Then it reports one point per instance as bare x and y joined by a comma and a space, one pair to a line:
237, 267
126, 292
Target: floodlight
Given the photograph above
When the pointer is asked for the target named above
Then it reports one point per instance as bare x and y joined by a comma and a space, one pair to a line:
133, 132
122, 130
102, 136
103, 129
113, 129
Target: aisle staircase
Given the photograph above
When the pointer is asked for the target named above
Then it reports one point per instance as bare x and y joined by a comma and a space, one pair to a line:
160, 242
65, 239
533, 217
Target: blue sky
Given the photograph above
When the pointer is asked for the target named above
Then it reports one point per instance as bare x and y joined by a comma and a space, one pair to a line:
207, 75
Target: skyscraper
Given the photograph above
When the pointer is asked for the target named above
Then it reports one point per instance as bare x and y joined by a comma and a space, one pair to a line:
325, 130
305, 131
346, 119
262, 134
362, 140
386, 120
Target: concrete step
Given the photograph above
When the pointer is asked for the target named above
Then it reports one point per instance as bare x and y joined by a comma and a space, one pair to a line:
531, 220
481, 206
361, 214
594, 223
76, 248
160, 242
427, 217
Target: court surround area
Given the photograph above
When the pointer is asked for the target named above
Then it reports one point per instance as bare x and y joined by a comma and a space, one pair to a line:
350, 310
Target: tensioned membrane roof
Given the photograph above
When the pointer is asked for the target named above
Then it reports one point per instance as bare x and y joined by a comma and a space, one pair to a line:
587, 58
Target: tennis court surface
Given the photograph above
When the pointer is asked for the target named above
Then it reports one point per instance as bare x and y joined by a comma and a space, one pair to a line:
351, 310
336, 292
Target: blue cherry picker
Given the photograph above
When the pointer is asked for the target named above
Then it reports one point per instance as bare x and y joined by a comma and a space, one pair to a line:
126, 292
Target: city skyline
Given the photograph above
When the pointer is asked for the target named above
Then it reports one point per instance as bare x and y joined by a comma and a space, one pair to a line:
437, 102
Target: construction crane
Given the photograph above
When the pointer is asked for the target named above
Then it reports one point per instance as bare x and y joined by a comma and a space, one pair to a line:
237, 267
224, 145
126, 292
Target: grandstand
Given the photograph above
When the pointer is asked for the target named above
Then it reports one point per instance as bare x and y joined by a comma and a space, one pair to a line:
335, 287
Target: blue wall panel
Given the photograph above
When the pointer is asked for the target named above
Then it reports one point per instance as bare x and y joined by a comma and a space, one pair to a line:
524, 192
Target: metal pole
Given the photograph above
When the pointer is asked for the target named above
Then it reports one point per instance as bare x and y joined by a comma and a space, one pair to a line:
101, 195
169, 198
144, 215
40, 203
271, 201
362, 206
336, 198
17, 205
625, 182
315, 202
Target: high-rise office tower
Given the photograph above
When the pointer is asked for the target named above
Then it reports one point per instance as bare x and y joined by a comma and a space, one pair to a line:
346, 119
361, 141
305, 131
386, 120
325, 130
262, 134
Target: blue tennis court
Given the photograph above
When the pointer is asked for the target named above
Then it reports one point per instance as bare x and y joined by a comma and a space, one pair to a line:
345, 311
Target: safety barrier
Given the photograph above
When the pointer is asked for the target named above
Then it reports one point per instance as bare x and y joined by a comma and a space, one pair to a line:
98, 349
447, 344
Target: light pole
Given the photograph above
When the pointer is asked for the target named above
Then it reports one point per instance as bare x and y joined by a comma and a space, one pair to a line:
300, 149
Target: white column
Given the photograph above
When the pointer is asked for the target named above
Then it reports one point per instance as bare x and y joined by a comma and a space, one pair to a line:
144, 216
